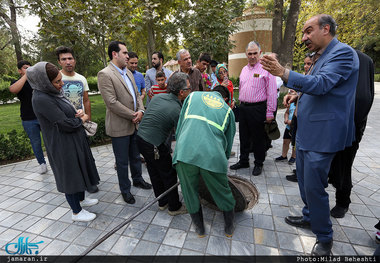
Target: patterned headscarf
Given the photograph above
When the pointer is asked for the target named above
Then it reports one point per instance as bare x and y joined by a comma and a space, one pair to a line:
217, 69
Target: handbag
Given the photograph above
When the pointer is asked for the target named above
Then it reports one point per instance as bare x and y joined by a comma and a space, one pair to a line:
90, 127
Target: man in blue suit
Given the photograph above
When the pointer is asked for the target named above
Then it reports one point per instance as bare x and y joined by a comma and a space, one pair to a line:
325, 120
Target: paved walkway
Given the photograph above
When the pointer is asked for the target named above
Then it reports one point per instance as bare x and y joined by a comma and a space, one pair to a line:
30, 206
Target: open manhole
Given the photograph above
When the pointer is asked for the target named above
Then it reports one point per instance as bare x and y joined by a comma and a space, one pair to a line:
244, 192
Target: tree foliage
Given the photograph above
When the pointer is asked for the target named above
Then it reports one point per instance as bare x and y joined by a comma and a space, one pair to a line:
206, 25
358, 25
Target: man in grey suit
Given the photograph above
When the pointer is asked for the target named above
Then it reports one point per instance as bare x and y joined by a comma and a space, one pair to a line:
123, 114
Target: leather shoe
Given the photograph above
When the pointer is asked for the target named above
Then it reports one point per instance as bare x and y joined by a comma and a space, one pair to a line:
292, 178
297, 221
338, 211
142, 184
239, 165
322, 249
128, 198
257, 170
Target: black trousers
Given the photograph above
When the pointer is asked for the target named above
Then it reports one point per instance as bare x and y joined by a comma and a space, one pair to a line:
74, 201
161, 173
251, 131
341, 166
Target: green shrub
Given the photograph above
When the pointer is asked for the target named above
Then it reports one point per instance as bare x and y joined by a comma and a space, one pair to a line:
280, 99
377, 77
14, 146
235, 81
100, 137
93, 84
5, 94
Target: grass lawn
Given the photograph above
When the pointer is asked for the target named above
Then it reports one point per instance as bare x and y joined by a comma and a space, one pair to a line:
10, 114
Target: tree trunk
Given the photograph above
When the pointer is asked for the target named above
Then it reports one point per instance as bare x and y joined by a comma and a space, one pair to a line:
286, 57
14, 30
151, 46
11, 21
277, 26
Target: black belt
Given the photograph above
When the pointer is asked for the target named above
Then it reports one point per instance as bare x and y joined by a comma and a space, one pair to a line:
253, 103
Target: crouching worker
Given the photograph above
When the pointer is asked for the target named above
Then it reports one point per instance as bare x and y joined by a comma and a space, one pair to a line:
159, 120
205, 133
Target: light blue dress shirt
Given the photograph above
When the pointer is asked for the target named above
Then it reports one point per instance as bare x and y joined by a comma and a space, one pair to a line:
123, 73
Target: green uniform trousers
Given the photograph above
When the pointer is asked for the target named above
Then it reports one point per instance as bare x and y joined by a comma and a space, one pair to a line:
216, 183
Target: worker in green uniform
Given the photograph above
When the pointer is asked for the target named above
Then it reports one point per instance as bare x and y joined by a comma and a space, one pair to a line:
205, 133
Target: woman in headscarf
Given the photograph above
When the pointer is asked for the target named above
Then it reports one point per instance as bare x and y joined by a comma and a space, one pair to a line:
221, 73
65, 140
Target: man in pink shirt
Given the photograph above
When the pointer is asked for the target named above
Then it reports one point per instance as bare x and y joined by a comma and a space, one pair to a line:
258, 102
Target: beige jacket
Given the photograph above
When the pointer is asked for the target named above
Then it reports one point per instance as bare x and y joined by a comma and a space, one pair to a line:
119, 102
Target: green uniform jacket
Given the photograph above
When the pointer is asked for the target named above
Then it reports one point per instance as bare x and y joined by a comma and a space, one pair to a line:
205, 132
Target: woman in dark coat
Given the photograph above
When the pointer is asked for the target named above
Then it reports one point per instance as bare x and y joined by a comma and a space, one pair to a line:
65, 140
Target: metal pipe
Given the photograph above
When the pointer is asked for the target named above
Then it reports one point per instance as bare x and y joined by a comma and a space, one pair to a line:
97, 243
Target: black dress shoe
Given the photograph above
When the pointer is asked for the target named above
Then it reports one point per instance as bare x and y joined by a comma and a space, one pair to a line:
297, 221
257, 170
128, 198
292, 178
322, 249
239, 165
338, 211
142, 184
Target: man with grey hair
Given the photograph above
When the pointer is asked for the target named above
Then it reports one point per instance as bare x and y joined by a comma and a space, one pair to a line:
159, 120
258, 102
186, 66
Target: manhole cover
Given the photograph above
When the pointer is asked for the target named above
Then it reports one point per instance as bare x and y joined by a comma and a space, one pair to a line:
244, 192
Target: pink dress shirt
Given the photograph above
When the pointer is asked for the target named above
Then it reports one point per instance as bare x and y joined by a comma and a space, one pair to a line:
256, 85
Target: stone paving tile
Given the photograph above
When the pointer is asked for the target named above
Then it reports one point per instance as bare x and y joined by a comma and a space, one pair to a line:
146, 248
263, 221
193, 242
107, 245
340, 248
242, 248
87, 237
182, 222
244, 234
124, 245
73, 249
40, 226
162, 218
155, 233
218, 246
358, 236
71, 233
349, 221
265, 251
364, 251
175, 237
57, 213
26, 222
55, 229
56, 247
165, 250
289, 242
367, 223
265, 237
308, 243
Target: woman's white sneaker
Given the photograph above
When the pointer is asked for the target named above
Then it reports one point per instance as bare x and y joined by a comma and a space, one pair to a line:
89, 202
42, 169
83, 216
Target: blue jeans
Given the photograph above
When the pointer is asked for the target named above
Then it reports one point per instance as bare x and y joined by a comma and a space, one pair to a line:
33, 129
126, 151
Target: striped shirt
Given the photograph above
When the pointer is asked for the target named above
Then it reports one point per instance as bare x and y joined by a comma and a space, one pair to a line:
256, 85
157, 90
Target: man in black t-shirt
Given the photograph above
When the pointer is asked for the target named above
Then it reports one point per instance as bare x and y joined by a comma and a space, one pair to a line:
30, 123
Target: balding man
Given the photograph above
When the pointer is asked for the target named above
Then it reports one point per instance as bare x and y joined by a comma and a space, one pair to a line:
258, 102
325, 120
186, 66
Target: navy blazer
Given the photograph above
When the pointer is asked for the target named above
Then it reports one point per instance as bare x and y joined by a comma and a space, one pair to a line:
325, 115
